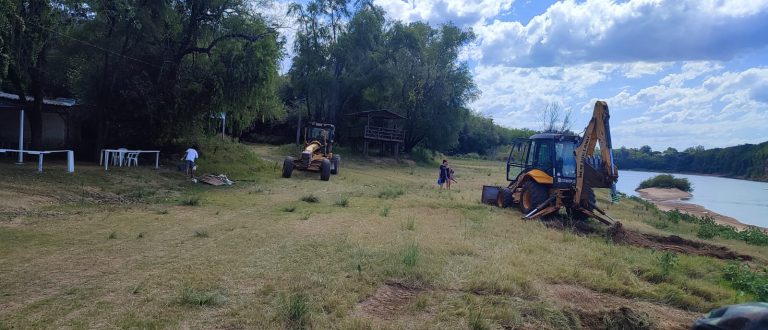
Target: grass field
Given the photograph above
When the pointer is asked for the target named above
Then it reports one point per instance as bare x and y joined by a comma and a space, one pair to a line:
379, 246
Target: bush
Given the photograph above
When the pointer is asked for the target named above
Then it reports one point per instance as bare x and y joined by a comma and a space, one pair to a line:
666, 181
310, 198
742, 278
424, 156
229, 157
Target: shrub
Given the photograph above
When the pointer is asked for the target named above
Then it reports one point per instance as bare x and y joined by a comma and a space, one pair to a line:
666, 181
310, 198
297, 311
423, 155
667, 261
200, 233
742, 278
754, 236
384, 212
342, 201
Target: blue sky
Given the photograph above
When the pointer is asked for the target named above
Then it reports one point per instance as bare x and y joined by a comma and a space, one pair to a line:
676, 73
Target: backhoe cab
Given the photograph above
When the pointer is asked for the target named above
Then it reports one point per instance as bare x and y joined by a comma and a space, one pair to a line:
317, 155
553, 170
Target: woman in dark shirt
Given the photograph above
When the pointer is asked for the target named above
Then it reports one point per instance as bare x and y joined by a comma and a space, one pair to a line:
444, 174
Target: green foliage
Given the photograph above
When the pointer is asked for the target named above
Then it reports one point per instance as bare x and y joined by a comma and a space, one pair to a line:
667, 262
666, 181
160, 70
310, 198
219, 156
480, 135
296, 311
747, 161
384, 212
424, 156
112, 235
411, 255
742, 278
709, 229
366, 62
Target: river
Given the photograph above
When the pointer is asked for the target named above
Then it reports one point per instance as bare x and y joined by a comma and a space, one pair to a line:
746, 201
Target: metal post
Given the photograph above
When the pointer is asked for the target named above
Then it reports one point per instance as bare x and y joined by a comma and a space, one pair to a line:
223, 123
21, 138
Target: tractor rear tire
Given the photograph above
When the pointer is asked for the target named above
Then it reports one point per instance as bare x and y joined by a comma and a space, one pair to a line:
533, 195
504, 198
325, 170
336, 162
287, 167
589, 194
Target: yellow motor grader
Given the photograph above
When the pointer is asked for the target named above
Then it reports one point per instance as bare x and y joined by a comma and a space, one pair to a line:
317, 155
549, 171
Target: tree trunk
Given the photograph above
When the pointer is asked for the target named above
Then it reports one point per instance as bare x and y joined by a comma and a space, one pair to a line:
37, 77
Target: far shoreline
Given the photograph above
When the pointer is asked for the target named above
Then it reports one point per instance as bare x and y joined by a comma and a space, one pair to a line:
668, 199
724, 176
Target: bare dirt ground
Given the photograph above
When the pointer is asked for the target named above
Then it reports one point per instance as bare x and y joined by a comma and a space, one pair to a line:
388, 300
672, 243
596, 309
673, 199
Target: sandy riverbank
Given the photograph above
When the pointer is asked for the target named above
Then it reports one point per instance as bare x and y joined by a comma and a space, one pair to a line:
670, 199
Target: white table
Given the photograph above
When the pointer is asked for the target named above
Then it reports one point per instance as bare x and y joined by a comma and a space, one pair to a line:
106, 152
41, 153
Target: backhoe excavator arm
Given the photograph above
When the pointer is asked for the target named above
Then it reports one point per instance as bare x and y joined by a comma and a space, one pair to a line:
598, 131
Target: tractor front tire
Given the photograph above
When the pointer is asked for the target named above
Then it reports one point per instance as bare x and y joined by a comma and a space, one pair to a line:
325, 170
336, 162
504, 198
533, 195
287, 167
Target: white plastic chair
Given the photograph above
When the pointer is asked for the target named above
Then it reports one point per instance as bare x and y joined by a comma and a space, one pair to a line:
132, 157
120, 159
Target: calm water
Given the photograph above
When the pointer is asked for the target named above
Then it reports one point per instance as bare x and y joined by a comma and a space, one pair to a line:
746, 201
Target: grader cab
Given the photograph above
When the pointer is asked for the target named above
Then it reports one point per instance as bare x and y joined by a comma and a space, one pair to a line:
317, 155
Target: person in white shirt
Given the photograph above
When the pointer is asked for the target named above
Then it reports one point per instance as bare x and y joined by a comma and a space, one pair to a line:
190, 156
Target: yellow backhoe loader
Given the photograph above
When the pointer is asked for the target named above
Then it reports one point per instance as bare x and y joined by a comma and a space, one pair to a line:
550, 171
317, 155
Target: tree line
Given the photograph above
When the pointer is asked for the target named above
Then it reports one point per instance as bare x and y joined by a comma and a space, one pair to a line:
151, 72
748, 161
147, 71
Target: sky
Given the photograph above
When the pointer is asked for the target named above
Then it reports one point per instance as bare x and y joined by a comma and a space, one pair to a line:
675, 73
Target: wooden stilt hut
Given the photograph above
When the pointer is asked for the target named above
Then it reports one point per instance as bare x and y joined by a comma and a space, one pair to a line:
383, 128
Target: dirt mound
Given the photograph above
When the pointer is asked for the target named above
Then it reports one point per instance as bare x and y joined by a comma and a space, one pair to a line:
388, 300
619, 235
597, 310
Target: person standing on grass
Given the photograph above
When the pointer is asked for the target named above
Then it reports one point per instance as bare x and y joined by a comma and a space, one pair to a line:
450, 178
190, 156
444, 175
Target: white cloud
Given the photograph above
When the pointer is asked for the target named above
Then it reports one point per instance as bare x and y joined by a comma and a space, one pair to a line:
514, 96
635, 30
716, 112
460, 12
